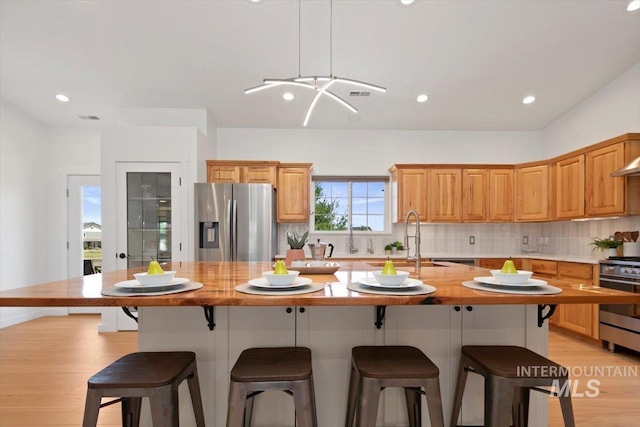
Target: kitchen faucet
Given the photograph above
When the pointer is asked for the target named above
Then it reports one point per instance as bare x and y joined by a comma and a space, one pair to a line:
416, 237
352, 249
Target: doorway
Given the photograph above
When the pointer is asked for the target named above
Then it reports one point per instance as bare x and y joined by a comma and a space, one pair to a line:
84, 228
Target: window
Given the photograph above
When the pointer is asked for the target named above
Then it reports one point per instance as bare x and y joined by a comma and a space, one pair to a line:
342, 203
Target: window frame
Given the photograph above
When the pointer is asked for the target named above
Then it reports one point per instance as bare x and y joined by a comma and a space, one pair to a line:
386, 180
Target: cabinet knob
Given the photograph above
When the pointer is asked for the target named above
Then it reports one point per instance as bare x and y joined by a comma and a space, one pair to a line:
289, 310
457, 308
469, 308
302, 310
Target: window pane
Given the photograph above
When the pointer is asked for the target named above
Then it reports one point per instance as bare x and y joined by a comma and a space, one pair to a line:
359, 189
375, 189
359, 206
376, 206
339, 189
376, 222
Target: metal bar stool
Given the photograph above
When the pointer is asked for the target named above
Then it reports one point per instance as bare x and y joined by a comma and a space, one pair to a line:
277, 368
155, 375
510, 373
374, 368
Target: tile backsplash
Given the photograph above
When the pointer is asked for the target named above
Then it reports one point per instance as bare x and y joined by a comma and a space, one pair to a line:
568, 239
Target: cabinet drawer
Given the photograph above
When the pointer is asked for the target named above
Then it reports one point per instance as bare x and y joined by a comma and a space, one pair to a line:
541, 266
496, 263
575, 270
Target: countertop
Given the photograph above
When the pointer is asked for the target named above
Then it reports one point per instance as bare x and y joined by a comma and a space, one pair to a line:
220, 278
360, 255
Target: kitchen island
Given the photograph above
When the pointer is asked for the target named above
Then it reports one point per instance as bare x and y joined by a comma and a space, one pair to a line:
330, 322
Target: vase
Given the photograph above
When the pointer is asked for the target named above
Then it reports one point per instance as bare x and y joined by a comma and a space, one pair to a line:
293, 255
608, 253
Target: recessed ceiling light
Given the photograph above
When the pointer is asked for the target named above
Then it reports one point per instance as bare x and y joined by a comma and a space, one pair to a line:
407, 2
288, 96
422, 98
528, 99
633, 5
62, 97
255, 1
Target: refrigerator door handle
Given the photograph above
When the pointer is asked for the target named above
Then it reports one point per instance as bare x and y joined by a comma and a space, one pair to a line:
234, 230
232, 237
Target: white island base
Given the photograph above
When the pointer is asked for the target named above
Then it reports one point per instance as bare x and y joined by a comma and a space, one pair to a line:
330, 333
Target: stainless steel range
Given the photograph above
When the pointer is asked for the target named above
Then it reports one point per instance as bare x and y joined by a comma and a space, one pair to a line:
620, 323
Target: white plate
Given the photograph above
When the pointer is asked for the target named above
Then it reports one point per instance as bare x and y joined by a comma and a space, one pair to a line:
134, 284
490, 280
262, 283
407, 284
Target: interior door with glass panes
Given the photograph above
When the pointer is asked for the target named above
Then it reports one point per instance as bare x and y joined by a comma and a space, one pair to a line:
148, 219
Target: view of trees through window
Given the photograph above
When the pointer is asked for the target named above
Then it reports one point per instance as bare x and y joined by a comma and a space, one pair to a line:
340, 205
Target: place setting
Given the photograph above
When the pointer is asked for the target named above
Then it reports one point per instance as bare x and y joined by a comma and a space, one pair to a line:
280, 281
155, 281
390, 282
509, 280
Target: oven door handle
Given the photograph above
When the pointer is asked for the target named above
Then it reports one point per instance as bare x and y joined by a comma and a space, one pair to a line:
622, 282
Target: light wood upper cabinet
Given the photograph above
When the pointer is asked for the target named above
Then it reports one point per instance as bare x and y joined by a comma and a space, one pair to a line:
532, 188
294, 185
409, 191
501, 195
570, 187
242, 171
445, 195
475, 194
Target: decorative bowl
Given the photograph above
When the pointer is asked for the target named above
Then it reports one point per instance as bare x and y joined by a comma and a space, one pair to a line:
391, 279
155, 279
518, 278
280, 279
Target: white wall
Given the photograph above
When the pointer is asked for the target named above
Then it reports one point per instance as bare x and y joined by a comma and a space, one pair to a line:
372, 152
24, 207
612, 111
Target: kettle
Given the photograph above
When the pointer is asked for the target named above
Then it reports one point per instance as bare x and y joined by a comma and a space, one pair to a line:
318, 250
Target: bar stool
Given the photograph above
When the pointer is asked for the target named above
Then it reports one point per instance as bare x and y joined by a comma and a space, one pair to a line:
510, 373
374, 368
155, 375
273, 368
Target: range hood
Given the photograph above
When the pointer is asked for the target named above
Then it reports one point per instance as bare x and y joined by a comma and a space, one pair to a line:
632, 169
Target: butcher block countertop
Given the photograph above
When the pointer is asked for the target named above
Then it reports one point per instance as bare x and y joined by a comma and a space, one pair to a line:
220, 278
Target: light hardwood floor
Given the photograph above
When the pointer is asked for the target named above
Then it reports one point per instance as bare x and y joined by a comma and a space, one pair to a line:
45, 363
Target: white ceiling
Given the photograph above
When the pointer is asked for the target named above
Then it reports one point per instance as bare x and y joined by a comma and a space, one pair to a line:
476, 59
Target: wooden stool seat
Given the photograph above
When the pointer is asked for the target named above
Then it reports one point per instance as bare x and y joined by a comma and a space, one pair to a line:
155, 375
510, 372
273, 364
374, 368
287, 369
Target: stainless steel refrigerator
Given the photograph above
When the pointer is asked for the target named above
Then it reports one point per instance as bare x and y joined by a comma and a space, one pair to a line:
235, 222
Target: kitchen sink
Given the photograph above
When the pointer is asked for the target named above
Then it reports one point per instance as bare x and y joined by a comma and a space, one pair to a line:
404, 263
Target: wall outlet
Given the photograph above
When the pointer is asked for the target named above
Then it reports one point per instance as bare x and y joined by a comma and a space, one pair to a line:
472, 240
525, 240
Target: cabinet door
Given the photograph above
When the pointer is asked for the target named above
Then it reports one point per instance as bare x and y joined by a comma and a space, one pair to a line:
475, 188
570, 188
412, 193
445, 195
262, 327
220, 173
259, 175
293, 194
605, 194
501, 195
533, 193
576, 317
331, 333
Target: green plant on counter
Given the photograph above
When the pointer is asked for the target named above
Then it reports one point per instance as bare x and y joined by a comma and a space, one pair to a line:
397, 244
608, 243
296, 241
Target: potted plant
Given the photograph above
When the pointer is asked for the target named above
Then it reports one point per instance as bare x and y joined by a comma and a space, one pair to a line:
296, 243
394, 247
609, 246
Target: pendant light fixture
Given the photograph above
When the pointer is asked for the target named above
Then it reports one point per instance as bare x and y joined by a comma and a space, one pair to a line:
320, 84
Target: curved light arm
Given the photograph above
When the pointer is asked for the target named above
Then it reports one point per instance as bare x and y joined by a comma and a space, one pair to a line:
322, 90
